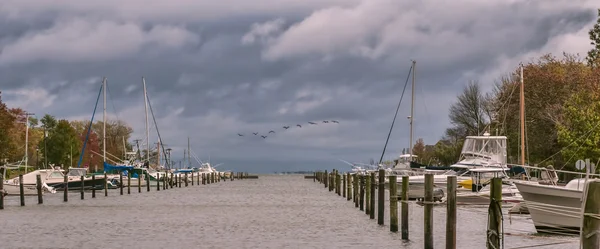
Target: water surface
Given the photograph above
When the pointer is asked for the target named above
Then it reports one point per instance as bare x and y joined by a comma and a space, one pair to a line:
270, 212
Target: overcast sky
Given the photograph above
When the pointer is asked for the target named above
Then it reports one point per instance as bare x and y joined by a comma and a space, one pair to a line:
218, 68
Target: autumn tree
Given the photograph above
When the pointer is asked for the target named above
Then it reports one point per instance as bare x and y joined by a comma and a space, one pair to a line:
549, 82
419, 149
593, 57
6, 124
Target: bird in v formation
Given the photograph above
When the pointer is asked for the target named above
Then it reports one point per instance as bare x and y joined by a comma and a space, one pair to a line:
287, 127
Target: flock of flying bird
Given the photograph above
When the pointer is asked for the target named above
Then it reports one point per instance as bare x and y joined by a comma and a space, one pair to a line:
287, 127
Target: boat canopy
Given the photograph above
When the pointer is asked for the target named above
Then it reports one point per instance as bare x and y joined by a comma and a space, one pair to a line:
118, 168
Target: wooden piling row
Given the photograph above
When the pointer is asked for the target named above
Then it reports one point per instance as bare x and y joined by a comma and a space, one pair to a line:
355, 187
178, 181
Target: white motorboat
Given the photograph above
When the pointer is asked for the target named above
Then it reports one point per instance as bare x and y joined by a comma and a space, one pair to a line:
554, 209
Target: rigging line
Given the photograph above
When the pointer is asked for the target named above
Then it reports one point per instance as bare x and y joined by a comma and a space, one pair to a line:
87, 135
395, 115
113, 103
158, 132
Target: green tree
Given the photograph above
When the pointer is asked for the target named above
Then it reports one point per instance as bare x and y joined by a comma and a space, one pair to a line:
62, 141
593, 57
578, 132
419, 149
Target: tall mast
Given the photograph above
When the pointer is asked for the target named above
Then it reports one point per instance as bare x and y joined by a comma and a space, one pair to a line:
147, 128
189, 152
522, 102
104, 121
27, 140
412, 103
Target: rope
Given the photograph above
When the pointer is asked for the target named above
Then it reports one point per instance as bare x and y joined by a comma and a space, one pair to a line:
494, 210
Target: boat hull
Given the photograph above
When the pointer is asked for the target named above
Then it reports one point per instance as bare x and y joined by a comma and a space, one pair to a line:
553, 209
87, 184
14, 189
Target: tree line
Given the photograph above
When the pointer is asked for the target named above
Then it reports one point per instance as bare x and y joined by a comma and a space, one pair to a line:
562, 112
58, 142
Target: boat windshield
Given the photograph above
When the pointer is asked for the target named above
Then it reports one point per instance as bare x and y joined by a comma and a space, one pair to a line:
76, 172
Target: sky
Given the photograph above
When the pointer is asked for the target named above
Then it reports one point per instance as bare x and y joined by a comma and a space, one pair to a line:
214, 69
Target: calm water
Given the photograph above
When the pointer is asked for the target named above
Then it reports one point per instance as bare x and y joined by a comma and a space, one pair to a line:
270, 212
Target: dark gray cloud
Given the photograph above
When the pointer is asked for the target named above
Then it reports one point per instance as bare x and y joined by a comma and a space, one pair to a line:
214, 71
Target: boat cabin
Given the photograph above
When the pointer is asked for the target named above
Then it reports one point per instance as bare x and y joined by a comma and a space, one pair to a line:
483, 151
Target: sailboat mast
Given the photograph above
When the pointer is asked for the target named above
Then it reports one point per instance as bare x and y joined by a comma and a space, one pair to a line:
412, 103
27, 140
147, 128
104, 120
522, 102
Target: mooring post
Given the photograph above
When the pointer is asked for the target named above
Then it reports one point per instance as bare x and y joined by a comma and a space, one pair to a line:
344, 185
38, 183
338, 183
362, 193
171, 183
66, 189
589, 237
203, 179
128, 182
94, 186
164, 181
186, 179
393, 204
348, 187
157, 182
192, 179
21, 190
1, 192
356, 192
368, 197
372, 194
105, 185
82, 187
404, 218
179, 179
121, 183
381, 197
148, 181
428, 212
494, 236
451, 213
326, 181
140, 179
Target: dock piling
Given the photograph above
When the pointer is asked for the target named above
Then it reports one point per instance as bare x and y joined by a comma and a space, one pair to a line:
121, 182
381, 197
348, 187
494, 237
1, 192
368, 197
129, 182
66, 189
393, 204
451, 213
82, 187
94, 187
38, 183
21, 190
404, 218
362, 193
428, 212
105, 185
372, 194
